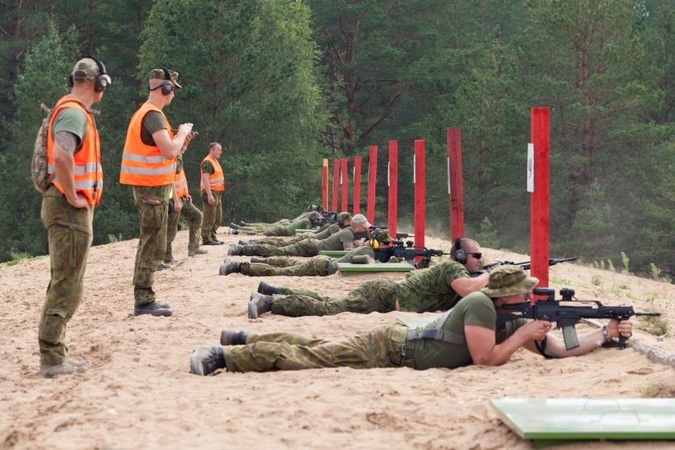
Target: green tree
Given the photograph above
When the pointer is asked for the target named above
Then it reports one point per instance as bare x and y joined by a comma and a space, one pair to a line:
249, 82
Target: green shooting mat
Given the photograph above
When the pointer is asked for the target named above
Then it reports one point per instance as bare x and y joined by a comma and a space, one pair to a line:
347, 269
334, 253
552, 421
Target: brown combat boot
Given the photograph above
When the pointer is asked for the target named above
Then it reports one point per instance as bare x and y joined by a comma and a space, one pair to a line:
197, 251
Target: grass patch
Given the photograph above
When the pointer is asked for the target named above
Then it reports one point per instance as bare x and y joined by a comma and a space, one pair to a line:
659, 390
653, 325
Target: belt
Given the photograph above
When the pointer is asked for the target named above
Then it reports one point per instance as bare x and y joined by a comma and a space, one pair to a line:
405, 358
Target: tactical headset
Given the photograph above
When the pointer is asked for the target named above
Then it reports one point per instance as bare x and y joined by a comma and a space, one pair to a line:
101, 80
167, 85
460, 255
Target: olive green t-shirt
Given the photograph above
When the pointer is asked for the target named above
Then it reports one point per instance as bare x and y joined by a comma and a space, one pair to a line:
297, 225
73, 121
338, 240
363, 250
428, 290
152, 123
326, 232
474, 309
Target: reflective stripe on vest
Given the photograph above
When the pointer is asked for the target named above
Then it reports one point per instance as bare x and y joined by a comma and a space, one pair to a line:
217, 178
87, 170
180, 185
142, 164
437, 333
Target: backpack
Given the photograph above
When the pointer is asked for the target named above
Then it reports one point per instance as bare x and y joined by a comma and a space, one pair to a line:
39, 169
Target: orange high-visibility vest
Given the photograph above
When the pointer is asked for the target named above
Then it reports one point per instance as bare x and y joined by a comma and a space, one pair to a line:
216, 179
87, 170
142, 164
180, 184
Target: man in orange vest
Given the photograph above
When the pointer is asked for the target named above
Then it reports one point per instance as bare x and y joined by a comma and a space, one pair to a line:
212, 186
74, 161
183, 207
149, 167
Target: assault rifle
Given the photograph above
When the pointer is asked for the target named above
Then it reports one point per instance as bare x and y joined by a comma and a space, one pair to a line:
399, 235
399, 249
524, 265
567, 316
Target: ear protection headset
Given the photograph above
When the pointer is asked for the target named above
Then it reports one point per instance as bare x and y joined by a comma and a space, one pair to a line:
101, 80
460, 255
167, 86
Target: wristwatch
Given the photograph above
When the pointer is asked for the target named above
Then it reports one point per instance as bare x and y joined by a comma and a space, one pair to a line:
605, 333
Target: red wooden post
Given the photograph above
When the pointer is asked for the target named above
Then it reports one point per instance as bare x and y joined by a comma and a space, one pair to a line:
420, 183
455, 184
344, 179
372, 183
324, 184
336, 180
539, 169
392, 183
356, 202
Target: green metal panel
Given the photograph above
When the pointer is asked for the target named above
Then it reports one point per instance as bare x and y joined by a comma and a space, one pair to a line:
552, 420
347, 269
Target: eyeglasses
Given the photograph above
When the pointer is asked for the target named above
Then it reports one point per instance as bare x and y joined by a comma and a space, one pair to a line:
476, 255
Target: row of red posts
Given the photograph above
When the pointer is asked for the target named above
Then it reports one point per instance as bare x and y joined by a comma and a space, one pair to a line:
538, 185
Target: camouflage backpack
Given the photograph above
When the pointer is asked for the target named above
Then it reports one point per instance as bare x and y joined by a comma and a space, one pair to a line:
39, 170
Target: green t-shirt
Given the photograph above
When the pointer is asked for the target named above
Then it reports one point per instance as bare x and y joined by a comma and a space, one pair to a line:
327, 232
207, 167
152, 123
338, 240
428, 290
474, 309
297, 225
363, 250
73, 121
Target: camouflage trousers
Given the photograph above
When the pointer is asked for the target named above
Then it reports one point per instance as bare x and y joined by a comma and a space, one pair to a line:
194, 219
69, 231
153, 212
378, 347
305, 247
213, 215
320, 266
370, 296
280, 241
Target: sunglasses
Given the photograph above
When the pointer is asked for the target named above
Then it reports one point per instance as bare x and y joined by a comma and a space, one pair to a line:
476, 255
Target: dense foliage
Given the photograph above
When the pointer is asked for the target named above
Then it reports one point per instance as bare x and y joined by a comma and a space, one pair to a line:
283, 84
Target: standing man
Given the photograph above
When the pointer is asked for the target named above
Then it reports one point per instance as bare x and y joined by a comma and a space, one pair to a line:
149, 166
74, 160
212, 186
183, 206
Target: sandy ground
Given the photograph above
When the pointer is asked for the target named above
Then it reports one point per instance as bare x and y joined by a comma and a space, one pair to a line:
138, 392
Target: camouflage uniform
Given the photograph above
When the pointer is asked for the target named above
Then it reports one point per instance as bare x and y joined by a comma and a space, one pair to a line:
278, 230
305, 247
153, 220
70, 234
379, 347
326, 232
421, 291
213, 215
320, 266
194, 219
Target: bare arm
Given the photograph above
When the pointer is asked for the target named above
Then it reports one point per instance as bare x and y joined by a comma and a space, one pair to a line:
207, 188
64, 148
170, 148
484, 350
555, 347
466, 285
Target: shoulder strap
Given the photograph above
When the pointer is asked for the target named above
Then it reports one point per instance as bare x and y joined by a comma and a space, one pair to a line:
437, 333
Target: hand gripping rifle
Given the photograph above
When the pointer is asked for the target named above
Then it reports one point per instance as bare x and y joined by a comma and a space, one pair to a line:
567, 316
406, 250
524, 265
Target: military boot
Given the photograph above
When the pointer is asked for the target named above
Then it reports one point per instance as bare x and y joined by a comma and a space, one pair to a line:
229, 337
259, 304
197, 251
235, 249
153, 308
267, 289
64, 368
206, 360
229, 266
